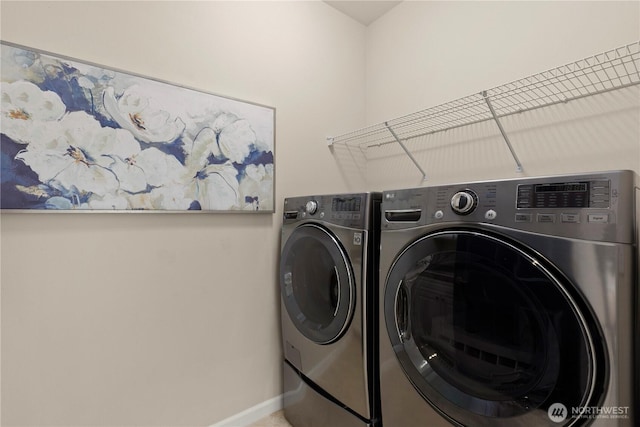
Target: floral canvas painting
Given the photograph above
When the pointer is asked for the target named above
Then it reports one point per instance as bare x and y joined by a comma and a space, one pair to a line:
82, 137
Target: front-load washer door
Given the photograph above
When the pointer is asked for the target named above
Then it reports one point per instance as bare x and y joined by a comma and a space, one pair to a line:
488, 333
316, 283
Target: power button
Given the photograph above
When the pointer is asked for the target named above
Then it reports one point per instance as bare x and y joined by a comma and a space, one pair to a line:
490, 214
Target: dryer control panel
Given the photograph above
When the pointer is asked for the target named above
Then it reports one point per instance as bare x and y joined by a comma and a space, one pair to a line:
598, 206
347, 210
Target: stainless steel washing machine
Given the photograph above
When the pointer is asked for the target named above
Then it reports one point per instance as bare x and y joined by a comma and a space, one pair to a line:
328, 285
510, 303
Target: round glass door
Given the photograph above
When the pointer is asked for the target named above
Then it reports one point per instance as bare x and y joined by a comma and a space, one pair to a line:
316, 283
487, 334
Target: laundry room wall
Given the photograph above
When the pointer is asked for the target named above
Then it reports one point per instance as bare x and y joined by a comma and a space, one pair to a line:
170, 319
425, 53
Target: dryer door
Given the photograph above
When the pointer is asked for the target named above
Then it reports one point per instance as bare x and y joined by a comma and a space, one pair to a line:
316, 283
489, 335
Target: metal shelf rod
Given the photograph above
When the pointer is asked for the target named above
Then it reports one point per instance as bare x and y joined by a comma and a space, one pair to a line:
504, 134
424, 175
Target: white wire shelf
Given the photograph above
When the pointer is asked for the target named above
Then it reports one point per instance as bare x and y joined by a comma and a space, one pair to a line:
604, 72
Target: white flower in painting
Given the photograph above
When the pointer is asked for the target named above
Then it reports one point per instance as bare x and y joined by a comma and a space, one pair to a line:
227, 136
114, 201
24, 107
204, 145
255, 187
75, 154
234, 136
135, 112
18, 64
170, 197
142, 168
216, 187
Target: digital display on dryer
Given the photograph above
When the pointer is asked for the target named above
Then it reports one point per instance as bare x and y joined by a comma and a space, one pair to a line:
555, 195
346, 204
566, 187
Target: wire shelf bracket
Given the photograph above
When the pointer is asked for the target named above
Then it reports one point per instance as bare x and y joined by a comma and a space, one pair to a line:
399, 141
607, 71
504, 134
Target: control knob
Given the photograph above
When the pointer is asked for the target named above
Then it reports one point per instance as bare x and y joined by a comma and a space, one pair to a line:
311, 207
464, 202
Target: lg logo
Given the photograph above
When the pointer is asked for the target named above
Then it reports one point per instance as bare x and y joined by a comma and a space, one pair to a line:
557, 412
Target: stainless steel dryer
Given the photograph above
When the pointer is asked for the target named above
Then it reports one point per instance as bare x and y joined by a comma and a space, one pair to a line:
328, 285
510, 303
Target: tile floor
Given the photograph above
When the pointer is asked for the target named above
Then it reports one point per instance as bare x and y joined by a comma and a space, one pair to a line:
276, 419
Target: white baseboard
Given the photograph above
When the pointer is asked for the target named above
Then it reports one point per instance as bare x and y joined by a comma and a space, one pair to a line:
253, 414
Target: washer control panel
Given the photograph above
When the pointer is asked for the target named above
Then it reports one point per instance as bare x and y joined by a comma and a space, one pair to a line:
590, 206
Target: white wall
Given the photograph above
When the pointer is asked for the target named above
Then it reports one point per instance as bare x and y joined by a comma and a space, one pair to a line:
425, 53
170, 319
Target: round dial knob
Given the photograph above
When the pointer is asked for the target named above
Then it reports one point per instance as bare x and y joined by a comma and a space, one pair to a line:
311, 207
464, 202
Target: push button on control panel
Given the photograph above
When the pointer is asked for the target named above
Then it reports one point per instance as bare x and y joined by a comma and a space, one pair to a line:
546, 218
598, 218
490, 214
570, 217
523, 217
